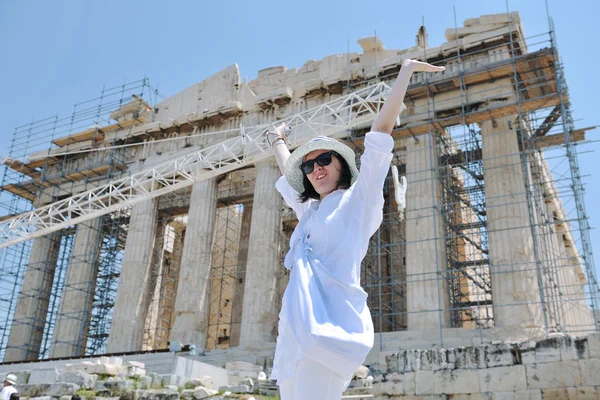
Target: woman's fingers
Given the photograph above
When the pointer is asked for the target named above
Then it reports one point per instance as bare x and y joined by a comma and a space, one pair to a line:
419, 66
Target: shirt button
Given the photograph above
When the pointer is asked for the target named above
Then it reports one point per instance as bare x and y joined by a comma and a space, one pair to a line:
308, 236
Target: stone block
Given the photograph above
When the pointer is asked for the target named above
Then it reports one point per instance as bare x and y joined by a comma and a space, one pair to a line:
202, 392
529, 394
502, 396
581, 347
439, 359
135, 372
498, 355
45, 375
456, 381
32, 389
98, 369
526, 351
426, 360
104, 360
502, 379
22, 376
548, 350
80, 378
146, 382
172, 387
187, 393
357, 383
156, 395
242, 368
388, 388
413, 360
113, 385
167, 379
568, 350
204, 381
235, 389
459, 355
594, 345
118, 361
62, 389
590, 371
409, 383
396, 362
474, 357
424, 382
584, 393
136, 364
247, 382
555, 394
553, 375
41, 398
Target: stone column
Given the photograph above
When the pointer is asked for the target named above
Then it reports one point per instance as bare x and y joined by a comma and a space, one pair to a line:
170, 280
193, 293
72, 323
515, 289
427, 297
260, 309
240, 276
155, 287
134, 292
29, 319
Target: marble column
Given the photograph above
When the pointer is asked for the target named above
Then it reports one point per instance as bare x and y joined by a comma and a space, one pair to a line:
29, 319
72, 323
260, 307
134, 292
170, 281
240, 276
193, 293
515, 289
426, 263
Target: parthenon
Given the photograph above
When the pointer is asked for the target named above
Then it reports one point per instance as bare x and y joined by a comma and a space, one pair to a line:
139, 221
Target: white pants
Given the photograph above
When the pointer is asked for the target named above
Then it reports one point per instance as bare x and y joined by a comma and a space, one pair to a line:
312, 381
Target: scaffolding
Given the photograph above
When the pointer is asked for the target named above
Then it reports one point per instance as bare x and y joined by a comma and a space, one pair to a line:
24, 186
520, 81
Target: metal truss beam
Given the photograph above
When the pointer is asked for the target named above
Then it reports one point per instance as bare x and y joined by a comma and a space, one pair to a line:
333, 119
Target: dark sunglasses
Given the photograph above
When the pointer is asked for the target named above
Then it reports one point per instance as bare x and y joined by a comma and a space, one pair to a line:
324, 159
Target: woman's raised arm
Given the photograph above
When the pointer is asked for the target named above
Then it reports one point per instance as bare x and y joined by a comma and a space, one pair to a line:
385, 120
277, 139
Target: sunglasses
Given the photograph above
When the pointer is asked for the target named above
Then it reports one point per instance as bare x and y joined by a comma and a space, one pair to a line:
324, 159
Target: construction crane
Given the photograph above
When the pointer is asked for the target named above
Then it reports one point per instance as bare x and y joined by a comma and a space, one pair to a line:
333, 118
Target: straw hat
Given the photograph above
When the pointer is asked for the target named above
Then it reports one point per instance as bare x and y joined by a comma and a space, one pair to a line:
293, 173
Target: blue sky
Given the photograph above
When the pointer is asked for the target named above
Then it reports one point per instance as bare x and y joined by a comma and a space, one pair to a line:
58, 53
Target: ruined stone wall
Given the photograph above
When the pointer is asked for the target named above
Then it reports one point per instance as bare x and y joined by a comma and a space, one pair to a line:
557, 368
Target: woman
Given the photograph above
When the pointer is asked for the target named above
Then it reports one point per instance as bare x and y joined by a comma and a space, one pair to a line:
325, 328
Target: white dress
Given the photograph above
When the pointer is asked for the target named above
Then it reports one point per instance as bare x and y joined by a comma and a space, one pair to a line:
324, 315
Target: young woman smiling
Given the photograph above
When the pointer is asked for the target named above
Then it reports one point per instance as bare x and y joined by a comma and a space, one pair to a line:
325, 327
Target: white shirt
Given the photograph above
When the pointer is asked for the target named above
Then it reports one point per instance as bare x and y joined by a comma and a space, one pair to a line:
7, 391
324, 314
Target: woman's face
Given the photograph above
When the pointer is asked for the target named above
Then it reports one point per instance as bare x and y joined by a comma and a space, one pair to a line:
324, 178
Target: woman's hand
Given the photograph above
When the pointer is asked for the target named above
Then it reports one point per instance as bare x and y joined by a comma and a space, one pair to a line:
277, 133
385, 120
419, 66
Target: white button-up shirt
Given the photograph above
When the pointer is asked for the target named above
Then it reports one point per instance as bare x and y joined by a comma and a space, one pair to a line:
7, 391
324, 314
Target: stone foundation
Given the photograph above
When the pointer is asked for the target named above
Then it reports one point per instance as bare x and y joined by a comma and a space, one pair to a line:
559, 367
